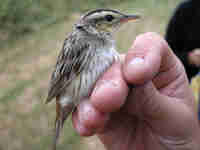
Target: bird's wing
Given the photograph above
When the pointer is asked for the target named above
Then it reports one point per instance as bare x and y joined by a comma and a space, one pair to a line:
71, 61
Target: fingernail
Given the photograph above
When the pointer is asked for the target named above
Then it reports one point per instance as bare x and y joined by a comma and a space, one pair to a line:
99, 85
84, 131
137, 61
81, 129
133, 67
80, 125
104, 84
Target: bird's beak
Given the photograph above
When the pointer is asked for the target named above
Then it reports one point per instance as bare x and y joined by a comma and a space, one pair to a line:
127, 18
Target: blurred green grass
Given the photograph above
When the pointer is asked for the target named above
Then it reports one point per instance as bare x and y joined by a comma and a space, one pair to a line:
17, 18
21, 17
26, 65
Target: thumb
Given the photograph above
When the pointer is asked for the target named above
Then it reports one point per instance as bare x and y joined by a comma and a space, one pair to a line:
161, 94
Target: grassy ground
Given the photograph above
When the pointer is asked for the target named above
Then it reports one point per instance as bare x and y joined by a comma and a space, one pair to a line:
25, 68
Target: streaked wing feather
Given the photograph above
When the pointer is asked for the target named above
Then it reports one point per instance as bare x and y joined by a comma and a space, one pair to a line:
70, 63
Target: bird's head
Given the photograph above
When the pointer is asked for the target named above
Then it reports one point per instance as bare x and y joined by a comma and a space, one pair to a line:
104, 20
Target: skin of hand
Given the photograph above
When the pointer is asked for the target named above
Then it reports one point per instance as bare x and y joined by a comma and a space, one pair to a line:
194, 57
142, 103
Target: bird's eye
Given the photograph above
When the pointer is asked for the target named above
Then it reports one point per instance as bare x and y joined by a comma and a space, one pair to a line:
109, 17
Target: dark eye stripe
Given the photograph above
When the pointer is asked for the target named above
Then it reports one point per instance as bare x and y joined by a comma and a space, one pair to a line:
109, 17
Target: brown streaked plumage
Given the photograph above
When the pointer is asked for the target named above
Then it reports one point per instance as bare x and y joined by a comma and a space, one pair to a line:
87, 52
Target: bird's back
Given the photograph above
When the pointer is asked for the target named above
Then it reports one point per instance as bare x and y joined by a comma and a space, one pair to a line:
69, 64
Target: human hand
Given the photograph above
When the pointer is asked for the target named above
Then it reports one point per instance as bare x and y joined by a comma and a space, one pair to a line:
194, 57
157, 113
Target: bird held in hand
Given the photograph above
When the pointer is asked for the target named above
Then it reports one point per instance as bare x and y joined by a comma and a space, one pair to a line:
87, 53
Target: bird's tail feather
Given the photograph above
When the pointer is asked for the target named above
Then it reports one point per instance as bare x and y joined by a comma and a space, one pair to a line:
57, 133
62, 115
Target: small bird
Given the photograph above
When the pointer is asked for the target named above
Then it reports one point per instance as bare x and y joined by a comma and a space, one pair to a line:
87, 53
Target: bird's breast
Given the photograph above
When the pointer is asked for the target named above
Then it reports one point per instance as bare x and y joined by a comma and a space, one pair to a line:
98, 64
82, 86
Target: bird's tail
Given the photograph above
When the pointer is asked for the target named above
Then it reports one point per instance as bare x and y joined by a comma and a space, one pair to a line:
61, 115
57, 133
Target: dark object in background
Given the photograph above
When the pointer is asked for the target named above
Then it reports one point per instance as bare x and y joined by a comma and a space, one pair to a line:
183, 33
199, 100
